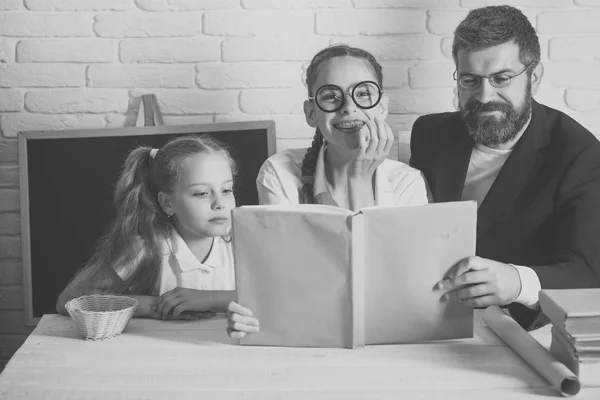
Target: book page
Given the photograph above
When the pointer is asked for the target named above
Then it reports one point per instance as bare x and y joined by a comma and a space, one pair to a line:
303, 208
293, 271
407, 251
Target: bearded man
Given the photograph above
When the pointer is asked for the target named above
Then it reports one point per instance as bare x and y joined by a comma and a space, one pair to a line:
533, 170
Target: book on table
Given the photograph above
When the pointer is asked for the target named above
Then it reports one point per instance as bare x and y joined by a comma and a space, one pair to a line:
583, 361
575, 311
322, 276
575, 318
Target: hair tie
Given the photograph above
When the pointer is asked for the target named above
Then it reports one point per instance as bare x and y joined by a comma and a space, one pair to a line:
308, 179
153, 153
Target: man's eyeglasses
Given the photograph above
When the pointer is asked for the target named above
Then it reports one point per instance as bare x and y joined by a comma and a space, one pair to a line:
500, 80
331, 98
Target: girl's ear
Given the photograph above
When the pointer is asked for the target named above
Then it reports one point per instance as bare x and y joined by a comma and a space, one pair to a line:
309, 113
165, 203
383, 105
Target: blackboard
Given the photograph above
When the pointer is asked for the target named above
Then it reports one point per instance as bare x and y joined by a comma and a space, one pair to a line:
66, 183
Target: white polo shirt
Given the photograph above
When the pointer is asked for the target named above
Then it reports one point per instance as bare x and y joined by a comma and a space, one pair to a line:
181, 268
279, 181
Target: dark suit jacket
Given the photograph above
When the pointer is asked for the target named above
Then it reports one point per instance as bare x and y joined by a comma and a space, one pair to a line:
543, 210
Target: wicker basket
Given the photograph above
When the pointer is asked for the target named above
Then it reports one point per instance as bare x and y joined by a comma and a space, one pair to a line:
101, 316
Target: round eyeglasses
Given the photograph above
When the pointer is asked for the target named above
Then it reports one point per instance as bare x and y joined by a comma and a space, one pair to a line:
331, 98
499, 80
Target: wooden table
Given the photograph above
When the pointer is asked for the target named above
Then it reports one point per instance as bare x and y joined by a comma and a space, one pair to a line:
196, 360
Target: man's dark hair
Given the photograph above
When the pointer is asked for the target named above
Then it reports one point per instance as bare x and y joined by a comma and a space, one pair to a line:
495, 25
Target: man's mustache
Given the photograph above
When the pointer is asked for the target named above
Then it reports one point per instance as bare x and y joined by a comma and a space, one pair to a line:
477, 107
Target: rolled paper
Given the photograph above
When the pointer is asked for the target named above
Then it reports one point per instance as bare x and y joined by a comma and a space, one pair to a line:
536, 355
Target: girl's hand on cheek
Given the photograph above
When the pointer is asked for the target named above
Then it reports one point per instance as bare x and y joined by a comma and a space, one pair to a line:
374, 145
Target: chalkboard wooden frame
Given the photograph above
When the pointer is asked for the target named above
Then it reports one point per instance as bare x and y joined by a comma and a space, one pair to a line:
25, 139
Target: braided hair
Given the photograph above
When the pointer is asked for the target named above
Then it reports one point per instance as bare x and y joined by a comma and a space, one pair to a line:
309, 163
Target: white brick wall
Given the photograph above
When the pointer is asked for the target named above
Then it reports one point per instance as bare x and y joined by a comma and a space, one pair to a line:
146, 75
370, 22
84, 64
11, 4
180, 50
67, 50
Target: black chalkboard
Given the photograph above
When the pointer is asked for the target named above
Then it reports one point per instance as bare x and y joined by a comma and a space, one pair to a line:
67, 180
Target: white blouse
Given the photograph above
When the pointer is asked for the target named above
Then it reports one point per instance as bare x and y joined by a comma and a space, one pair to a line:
181, 268
279, 181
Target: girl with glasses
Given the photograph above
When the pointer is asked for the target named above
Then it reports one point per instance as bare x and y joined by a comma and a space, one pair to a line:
346, 165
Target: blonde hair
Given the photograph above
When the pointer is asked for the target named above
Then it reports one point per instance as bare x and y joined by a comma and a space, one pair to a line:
134, 239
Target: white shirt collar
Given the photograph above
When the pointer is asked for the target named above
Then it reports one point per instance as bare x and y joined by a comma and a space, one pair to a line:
187, 260
384, 194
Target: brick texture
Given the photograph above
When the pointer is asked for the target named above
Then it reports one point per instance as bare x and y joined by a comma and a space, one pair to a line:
79, 5
45, 25
42, 75
148, 24
254, 75
67, 50
181, 50
10, 272
250, 23
185, 5
134, 76
370, 22
9, 176
11, 5
76, 64
11, 100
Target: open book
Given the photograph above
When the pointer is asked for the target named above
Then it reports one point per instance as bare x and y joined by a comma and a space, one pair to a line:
322, 276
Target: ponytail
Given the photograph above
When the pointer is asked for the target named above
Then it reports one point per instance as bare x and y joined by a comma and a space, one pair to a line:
135, 238
133, 241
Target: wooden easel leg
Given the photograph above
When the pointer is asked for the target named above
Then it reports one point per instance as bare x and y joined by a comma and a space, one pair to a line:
148, 113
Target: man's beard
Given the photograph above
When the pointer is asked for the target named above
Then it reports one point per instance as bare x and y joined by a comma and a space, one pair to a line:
491, 130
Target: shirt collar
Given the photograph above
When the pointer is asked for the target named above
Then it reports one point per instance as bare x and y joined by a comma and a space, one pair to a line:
384, 194
186, 260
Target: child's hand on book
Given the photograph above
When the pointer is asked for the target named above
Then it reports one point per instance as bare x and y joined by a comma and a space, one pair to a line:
480, 282
240, 321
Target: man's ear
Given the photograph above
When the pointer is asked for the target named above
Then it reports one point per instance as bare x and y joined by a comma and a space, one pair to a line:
309, 113
165, 203
536, 78
383, 105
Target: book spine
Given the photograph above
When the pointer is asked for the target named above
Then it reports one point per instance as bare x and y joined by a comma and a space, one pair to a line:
563, 353
357, 268
552, 310
564, 339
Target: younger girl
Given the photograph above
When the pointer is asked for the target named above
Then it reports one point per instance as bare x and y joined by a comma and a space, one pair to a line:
169, 244
346, 165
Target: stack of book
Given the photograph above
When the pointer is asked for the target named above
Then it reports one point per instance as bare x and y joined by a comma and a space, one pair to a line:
575, 318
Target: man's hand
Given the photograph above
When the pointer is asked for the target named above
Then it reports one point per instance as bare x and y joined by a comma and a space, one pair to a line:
479, 282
